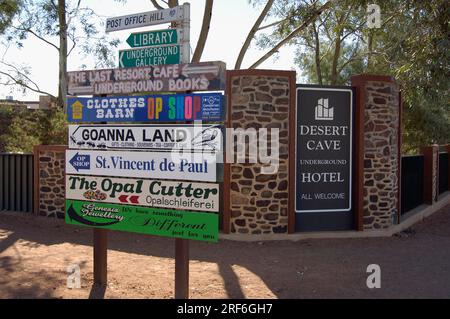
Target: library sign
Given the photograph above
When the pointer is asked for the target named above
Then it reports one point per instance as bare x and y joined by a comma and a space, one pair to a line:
323, 149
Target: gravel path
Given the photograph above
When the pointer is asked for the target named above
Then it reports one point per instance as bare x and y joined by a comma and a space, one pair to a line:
35, 253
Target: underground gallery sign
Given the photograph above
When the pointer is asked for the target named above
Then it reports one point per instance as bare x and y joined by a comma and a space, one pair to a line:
203, 76
147, 108
167, 54
205, 138
144, 220
144, 192
323, 149
158, 165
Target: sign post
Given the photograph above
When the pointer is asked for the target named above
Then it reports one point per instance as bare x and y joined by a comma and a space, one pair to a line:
100, 256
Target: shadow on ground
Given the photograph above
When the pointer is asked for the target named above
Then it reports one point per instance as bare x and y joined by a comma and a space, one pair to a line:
414, 264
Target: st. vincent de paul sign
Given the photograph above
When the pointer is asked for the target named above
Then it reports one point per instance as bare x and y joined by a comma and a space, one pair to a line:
324, 149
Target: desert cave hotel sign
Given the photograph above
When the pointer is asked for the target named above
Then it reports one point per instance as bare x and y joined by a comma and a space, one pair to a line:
323, 149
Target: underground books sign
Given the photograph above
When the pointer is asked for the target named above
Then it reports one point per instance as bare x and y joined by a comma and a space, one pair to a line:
147, 108
143, 192
157, 165
323, 149
204, 138
144, 220
203, 76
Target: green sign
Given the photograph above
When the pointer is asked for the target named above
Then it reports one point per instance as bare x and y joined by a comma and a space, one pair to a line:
145, 220
153, 38
169, 54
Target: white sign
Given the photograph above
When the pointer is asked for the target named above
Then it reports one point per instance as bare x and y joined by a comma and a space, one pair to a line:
144, 19
143, 192
146, 137
158, 165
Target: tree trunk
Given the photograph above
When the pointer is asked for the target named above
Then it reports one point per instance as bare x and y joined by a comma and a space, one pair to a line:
317, 53
204, 32
369, 50
62, 90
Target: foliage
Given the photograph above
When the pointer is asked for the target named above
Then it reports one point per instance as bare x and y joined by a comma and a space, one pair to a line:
21, 128
412, 45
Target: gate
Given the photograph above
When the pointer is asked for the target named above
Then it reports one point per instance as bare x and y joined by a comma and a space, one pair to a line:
16, 182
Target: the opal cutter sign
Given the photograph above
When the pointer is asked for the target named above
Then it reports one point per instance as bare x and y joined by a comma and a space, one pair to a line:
147, 108
202, 138
158, 165
144, 192
324, 149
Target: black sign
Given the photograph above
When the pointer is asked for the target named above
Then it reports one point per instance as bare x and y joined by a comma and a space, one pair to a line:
323, 149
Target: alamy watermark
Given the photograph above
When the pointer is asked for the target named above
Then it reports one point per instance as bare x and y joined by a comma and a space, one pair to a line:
374, 279
74, 276
373, 16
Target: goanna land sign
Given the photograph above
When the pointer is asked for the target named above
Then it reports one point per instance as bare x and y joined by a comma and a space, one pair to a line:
144, 220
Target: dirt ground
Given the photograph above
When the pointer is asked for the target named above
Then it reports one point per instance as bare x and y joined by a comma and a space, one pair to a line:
35, 253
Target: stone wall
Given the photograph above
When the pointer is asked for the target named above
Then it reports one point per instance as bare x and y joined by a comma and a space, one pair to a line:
381, 117
259, 202
49, 180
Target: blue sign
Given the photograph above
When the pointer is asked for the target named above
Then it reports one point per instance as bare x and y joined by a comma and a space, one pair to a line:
80, 162
147, 108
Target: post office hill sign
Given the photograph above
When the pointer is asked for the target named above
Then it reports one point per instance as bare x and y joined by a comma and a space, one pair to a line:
324, 149
206, 138
204, 76
147, 108
143, 192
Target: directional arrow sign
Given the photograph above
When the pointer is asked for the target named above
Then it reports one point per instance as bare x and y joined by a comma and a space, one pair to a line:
203, 76
80, 162
133, 199
144, 19
169, 54
152, 38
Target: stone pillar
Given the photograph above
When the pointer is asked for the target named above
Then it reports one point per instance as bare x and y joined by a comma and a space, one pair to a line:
378, 133
431, 173
49, 177
258, 203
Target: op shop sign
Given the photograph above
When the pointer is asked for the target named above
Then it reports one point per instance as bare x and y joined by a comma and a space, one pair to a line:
147, 108
144, 220
158, 165
204, 76
140, 192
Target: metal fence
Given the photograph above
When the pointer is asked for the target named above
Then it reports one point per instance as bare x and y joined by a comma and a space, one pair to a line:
16, 182
443, 172
412, 182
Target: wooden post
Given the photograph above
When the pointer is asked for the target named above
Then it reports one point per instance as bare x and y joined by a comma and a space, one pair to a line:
181, 268
431, 162
447, 147
100, 256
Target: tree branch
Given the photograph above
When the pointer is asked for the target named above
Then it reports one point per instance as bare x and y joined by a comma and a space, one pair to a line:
156, 5
23, 84
292, 34
204, 31
251, 34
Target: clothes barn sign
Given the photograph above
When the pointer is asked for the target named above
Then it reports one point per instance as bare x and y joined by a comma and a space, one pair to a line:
147, 108
324, 149
143, 192
144, 220
207, 138
203, 76
164, 165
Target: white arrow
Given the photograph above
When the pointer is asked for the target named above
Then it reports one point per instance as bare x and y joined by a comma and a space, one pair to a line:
188, 70
121, 59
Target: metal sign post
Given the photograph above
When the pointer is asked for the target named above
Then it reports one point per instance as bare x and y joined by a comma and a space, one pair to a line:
182, 245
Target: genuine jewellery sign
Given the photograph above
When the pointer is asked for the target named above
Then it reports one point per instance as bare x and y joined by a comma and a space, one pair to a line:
203, 76
323, 149
146, 137
144, 220
164, 165
147, 108
144, 192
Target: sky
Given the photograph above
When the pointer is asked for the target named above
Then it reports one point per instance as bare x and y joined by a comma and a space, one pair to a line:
230, 23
